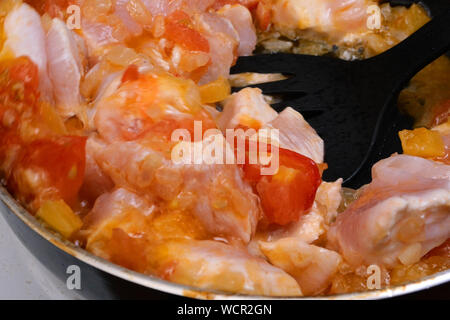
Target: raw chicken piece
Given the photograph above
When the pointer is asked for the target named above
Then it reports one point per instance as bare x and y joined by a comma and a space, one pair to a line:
153, 106
116, 203
327, 16
122, 9
123, 227
241, 19
107, 88
212, 111
133, 165
185, 38
191, 41
297, 135
399, 217
137, 123
312, 266
122, 220
223, 40
103, 23
229, 208
164, 7
328, 199
120, 209
247, 108
217, 266
128, 229
25, 36
97, 36
108, 22
95, 182
65, 68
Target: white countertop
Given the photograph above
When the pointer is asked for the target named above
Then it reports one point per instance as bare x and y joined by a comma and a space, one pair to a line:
22, 276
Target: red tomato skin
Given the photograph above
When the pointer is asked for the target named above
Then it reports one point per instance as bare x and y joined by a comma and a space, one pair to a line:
178, 30
131, 74
61, 161
39, 166
25, 71
19, 82
263, 16
284, 202
54, 8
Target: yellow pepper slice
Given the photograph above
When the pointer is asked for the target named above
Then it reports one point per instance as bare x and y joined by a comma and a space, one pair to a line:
60, 217
422, 142
215, 91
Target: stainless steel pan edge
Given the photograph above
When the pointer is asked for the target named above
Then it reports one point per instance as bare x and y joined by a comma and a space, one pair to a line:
180, 290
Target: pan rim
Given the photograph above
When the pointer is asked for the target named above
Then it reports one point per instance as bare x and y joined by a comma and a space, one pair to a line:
165, 286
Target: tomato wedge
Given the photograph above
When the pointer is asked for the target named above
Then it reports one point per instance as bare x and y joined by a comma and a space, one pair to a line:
19, 82
288, 194
178, 30
50, 169
131, 74
263, 15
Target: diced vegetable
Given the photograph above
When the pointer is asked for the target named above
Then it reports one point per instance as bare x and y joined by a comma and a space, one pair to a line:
263, 16
60, 217
215, 91
131, 74
51, 167
288, 194
422, 142
19, 81
179, 30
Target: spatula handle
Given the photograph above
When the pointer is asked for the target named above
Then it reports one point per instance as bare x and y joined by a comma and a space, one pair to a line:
403, 61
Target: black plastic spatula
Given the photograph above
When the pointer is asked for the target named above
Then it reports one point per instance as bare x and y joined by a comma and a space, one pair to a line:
351, 104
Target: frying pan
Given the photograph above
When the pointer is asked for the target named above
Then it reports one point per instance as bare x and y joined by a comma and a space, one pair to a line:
101, 279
